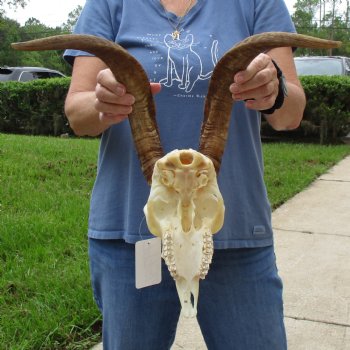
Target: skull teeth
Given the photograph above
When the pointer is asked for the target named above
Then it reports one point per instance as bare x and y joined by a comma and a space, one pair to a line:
208, 250
168, 253
207, 254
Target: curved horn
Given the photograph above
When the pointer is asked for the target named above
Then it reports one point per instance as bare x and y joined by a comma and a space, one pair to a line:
219, 102
130, 73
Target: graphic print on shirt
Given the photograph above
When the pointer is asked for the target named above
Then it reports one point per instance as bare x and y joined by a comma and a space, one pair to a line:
187, 67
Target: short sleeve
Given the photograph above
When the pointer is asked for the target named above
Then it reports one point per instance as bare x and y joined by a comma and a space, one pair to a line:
272, 16
100, 18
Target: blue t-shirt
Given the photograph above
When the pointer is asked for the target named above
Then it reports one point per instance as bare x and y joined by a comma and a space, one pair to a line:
183, 67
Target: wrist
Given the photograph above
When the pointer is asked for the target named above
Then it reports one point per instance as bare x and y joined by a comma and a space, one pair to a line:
282, 91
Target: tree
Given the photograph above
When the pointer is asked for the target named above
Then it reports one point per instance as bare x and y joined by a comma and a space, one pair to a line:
34, 29
72, 19
9, 32
11, 3
309, 6
322, 18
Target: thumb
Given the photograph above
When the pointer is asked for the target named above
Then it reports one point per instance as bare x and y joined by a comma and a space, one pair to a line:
155, 88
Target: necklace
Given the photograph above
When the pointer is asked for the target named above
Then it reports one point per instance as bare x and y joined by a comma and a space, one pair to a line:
177, 31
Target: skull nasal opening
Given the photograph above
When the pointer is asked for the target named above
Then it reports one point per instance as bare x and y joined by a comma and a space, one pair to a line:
186, 158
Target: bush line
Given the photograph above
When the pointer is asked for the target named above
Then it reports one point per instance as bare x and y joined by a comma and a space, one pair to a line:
37, 108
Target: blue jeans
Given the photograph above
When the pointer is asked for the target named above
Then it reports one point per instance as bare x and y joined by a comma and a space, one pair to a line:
240, 302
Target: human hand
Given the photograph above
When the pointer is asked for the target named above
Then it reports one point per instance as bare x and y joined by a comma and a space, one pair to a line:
113, 103
257, 85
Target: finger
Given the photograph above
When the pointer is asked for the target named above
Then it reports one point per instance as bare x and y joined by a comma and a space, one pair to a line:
112, 108
261, 104
260, 79
106, 79
155, 88
111, 119
259, 92
259, 63
105, 95
265, 72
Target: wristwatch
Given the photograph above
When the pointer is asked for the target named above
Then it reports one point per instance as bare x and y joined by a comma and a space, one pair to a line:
282, 91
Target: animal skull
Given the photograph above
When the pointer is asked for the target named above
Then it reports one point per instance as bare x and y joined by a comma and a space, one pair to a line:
185, 208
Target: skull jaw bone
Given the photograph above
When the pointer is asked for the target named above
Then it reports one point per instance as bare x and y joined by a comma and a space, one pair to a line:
188, 256
185, 208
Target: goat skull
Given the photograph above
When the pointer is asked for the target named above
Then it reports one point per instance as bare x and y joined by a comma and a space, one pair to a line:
185, 208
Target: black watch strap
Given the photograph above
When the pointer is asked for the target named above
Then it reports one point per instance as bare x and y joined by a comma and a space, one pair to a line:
282, 91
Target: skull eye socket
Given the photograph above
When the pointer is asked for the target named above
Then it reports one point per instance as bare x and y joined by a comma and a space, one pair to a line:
168, 178
202, 178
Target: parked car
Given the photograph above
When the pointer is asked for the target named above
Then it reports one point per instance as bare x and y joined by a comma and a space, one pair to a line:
23, 74
322, 65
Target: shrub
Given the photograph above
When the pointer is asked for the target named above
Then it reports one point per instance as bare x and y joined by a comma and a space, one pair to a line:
327, 113
328, 107
35, 107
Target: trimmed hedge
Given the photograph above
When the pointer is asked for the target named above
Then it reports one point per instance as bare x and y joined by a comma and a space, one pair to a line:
327, 114
37, 108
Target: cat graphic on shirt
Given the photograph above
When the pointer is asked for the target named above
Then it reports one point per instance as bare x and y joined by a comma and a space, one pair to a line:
189, 68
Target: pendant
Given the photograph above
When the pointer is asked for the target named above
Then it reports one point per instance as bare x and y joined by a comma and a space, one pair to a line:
175, 35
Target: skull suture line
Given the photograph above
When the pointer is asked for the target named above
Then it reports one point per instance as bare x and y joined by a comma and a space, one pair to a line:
185, 206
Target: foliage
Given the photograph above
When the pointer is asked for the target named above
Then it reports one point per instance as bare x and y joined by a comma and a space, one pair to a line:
9, 32
72, 19
322, 18
34, 107
49, 59
327, 114
12, 3
12, 31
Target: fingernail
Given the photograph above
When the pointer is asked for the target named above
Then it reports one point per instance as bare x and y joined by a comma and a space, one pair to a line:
238, 78
120, 91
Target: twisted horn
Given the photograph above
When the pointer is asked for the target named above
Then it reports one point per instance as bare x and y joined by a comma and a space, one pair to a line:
130, 73
219, 102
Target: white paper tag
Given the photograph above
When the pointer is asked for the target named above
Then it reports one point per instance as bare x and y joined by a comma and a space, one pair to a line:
148, 265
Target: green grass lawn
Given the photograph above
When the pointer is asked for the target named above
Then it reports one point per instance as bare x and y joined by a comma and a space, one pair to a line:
45, 299
289, 168
45, 184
